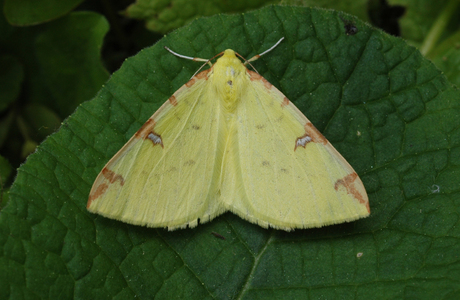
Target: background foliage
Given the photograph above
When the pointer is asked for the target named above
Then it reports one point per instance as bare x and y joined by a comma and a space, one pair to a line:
389, 111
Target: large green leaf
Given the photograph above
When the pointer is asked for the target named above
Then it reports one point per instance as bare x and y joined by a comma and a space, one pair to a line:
388, 110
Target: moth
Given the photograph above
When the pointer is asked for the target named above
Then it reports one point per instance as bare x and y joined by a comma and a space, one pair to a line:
228, 140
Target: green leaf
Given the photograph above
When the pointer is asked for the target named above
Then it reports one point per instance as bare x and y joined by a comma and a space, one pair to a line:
5, 170
422, 15
166, 15
4, 197
359, 8
447, 58
5, 174
61, 59
41, 120
387, 109
68, 55
31, 12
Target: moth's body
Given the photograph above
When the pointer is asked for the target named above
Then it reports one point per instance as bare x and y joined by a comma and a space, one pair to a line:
229, 141
228, 78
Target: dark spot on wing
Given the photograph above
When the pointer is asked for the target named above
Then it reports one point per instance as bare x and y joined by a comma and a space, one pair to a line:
189, 162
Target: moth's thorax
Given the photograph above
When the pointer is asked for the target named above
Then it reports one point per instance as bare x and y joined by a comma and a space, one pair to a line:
229, 75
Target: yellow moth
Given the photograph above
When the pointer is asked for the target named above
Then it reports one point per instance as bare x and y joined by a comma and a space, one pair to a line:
228, 140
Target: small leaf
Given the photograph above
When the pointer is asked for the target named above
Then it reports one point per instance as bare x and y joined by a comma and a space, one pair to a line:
28, 148
42, 121
31, 12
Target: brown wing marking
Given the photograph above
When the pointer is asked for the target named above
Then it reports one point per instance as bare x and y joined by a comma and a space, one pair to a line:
111, 177
173, 100
348, 182
97, 193
285, 102
107, 176
311, 135
201, 75
147, 132
254, 76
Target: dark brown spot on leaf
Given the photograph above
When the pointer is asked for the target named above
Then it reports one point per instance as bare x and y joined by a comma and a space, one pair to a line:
218, 235
350, 28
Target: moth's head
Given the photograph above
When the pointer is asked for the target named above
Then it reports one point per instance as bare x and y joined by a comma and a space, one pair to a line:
228, 60
229, 57
229, 53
